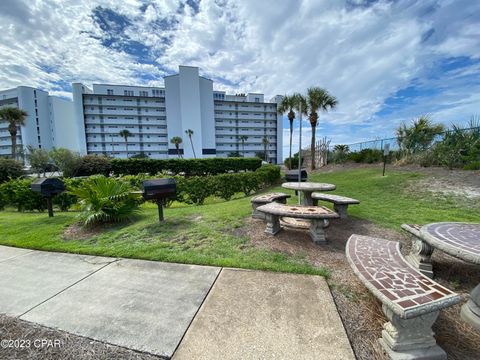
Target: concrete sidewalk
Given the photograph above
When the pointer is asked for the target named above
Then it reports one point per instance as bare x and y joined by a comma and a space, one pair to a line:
184, 311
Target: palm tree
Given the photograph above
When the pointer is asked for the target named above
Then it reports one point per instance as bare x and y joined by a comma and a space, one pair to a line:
243, 138
318, 99
177, 140
189, 132
125, 134
300, 106
265, 143
15, 118
287, 105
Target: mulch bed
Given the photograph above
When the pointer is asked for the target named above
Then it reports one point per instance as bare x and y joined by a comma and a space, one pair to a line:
360, 312
57, 344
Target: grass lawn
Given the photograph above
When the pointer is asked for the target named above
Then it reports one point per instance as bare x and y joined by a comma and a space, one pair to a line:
212, 234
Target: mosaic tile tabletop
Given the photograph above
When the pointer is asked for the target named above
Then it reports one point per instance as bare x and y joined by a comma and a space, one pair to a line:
307, 212
308, 186
384, 271
461, 240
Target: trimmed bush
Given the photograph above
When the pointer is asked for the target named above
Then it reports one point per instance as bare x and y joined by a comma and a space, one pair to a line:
94, 165
188, 167
10, 169
17, 193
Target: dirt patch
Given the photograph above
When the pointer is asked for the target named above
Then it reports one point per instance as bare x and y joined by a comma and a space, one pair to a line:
459, 183
69, 347
78, 232
360, 312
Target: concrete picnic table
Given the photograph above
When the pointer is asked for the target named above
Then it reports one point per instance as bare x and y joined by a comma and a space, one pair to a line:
461, 240
308, 188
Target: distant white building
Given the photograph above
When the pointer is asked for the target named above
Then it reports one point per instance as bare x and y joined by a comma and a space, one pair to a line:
156, 114
222, 124
48, 123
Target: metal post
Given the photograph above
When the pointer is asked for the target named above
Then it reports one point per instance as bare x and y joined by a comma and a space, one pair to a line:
160, 210
50, 206
300, 155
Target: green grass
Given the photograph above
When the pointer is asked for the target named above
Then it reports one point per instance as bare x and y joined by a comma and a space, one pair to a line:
396, 198
212, 234
208, 235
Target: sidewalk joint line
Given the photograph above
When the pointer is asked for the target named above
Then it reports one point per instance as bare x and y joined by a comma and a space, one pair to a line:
68, 287
196, 312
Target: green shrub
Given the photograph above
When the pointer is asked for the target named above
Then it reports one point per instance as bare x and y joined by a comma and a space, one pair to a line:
294, 162
17, 193
2, 200
249, 182
268, 174
10, 168
472, 166
66, 200
369, 156
105, 200
94, 165
188, 167
68, 162
195, 189
39, 159
226, 185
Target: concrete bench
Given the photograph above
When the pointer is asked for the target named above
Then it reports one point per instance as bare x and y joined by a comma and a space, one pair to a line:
317, 215
340, 203
266, 199
410, 300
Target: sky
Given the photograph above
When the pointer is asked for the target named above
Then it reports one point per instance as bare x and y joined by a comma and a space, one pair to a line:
386, 62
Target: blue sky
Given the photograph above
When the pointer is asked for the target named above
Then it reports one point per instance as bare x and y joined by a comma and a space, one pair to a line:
386, 61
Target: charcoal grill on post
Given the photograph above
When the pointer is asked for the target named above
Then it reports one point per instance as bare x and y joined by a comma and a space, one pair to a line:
292, 175
159, 190
48, 188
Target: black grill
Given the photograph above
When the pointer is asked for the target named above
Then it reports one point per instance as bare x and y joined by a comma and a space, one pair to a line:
160, 190
292, 175
48, 187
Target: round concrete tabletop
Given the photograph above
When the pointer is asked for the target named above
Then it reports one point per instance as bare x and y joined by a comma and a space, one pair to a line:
308, 186
461, 240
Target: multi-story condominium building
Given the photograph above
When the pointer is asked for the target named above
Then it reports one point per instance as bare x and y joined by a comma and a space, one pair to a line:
47, 124
222, 124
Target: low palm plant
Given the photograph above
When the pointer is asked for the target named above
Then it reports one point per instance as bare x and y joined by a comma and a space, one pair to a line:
105, 200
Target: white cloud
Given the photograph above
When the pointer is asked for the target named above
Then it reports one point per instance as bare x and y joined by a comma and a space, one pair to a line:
363, 53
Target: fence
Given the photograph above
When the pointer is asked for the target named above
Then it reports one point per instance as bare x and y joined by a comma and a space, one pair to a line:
323, 147
393, 142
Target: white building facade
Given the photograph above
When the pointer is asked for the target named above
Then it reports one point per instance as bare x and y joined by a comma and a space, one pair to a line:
49, 120
222, 124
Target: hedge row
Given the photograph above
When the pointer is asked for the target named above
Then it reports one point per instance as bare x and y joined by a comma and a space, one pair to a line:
189, 167
190, 190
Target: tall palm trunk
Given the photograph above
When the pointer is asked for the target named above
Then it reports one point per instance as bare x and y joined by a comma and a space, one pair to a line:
290, 154
12, 129
243, 148
193, 149
312, 146
178, 150
126, 146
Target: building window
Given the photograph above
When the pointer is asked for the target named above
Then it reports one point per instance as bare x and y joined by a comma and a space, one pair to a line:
143, 93
257, 99
128, 92
109, 92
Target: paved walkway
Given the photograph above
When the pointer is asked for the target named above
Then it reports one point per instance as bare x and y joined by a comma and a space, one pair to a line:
184, 311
